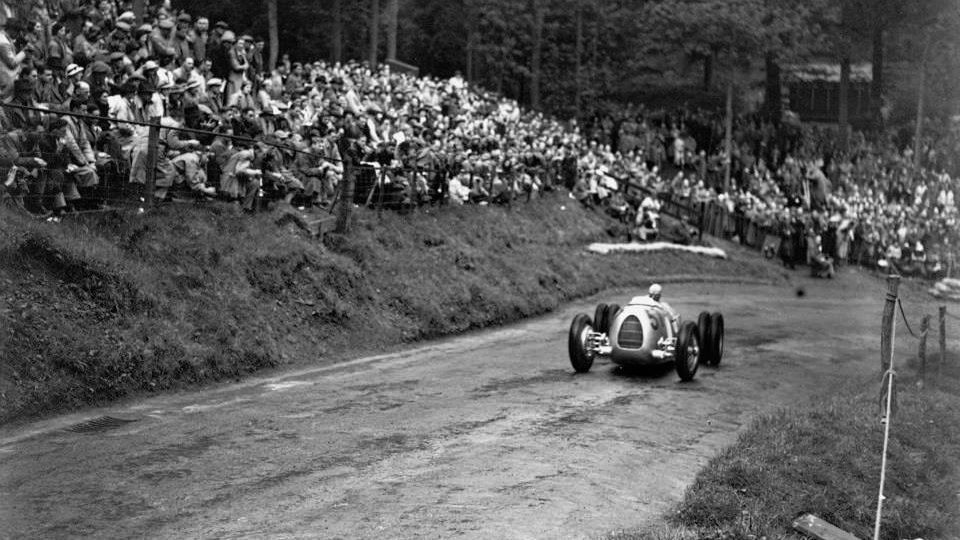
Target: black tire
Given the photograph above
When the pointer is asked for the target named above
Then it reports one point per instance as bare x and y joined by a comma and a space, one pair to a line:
703, 327
612, 310
687, 354
716, 338
600, 318
580, 359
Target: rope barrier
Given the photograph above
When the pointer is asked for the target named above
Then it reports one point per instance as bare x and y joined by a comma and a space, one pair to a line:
235, 138
907, 323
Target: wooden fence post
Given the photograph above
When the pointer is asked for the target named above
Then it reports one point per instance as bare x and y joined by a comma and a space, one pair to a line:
943, 340
886, 326
153, 141
702, 221
922, 348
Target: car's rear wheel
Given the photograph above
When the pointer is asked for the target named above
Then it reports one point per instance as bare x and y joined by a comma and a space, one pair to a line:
703, 332
599, 316
580, 358
612, 310
687, 353
716, 338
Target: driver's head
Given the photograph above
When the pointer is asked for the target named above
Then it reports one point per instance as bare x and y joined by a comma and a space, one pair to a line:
655, 291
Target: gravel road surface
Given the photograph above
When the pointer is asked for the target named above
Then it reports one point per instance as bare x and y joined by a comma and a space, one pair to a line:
485, 435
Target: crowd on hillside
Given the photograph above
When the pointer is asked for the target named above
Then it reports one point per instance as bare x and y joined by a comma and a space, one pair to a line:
864, 202
283, 135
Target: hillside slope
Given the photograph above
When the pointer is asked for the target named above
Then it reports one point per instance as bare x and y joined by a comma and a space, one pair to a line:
110, 305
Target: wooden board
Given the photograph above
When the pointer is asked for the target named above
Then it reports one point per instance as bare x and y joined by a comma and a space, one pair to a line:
811, 525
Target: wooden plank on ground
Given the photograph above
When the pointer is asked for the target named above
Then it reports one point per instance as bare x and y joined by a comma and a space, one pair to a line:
811, 525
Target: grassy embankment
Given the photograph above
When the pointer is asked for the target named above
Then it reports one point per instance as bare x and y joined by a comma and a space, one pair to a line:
824, 459
107, 306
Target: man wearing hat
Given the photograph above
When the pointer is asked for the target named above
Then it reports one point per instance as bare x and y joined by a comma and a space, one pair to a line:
278, 163
163, 38
74, 75
213, 97
217, 52
121, 39
99, 77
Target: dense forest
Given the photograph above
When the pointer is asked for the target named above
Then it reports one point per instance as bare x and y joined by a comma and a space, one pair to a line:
561, 55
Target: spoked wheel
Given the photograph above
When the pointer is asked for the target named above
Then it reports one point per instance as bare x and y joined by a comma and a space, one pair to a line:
600, 318
687, 354
580, 357
703, 332
716, 338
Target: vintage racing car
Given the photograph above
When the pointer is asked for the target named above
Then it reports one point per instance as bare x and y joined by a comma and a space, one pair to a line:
645, 332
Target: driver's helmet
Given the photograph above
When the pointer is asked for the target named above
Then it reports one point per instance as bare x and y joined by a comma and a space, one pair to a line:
655, 291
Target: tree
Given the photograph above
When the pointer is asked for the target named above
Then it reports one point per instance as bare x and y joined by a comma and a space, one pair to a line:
274, 34
374, 32
731, 31
539, 13
393, 8
336, 35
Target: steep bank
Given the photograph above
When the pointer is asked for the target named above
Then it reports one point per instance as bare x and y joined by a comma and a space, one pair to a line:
104, 306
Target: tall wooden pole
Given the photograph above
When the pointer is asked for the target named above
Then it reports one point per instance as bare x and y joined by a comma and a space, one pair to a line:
374, 32
577, 63
274, 34
539, 13
336, 36
943, 339
886, 326
153, 141
922, 348
728, 143
921, 90
393, 12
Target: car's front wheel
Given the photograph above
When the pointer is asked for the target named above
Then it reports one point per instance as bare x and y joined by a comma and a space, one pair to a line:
687, 353
580, 357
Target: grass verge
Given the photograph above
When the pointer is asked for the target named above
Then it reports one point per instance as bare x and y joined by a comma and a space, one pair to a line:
111, 305
825, 459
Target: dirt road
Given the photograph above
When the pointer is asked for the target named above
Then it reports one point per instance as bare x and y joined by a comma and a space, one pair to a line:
488, 435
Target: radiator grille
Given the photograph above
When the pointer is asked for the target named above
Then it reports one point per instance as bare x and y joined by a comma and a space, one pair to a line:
631, 333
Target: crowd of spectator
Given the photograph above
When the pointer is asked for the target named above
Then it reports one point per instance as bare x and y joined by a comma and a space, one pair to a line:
861, 201
235, 130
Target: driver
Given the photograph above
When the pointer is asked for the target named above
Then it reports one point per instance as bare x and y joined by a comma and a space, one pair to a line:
654, 294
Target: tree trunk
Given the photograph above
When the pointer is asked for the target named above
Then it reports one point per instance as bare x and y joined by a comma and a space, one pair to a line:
728, 138
336, 35
774, 90
374, 33
539, 13
273, 32
577, 64
918, 133
707, 72
393, 11
139, 10
346, 194
844, 106
876, 85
